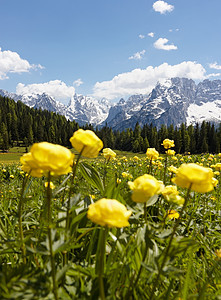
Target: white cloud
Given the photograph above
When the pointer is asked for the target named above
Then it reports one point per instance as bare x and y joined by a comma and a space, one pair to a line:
213, 75
162, 7
151, 34
138, 55
161, 44
141, 36
215, 66
11, 62
78, 82
54, 88
171, 30
144, 80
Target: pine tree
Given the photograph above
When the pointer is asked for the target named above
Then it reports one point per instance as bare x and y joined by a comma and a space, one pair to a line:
5, 138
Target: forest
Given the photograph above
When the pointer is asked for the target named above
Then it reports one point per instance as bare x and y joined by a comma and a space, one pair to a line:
21, 125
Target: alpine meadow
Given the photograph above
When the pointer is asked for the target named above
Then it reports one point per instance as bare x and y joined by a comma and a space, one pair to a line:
110, 150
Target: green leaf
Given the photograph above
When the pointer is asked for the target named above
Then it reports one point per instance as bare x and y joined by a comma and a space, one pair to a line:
92, 176
152, 200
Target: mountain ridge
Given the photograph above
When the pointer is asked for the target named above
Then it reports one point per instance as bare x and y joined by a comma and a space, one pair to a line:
172, 101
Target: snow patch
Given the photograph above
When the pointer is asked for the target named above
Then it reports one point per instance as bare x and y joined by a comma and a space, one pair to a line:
210, 111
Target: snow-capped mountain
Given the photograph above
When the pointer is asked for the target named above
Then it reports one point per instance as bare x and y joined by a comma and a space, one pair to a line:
172, 101
84, 109
81, 108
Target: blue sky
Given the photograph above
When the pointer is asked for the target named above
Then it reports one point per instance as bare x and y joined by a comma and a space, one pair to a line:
106, 48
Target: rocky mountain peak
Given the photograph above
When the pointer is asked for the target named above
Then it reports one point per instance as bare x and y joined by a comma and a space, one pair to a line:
172, 101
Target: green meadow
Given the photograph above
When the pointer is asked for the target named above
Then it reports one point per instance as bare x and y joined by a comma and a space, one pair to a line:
50, 249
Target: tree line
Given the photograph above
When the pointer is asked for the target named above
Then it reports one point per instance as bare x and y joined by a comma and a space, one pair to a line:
21, 125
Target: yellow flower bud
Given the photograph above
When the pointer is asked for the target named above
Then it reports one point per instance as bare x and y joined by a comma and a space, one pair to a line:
217, 166
173, 214
169, 190
172, 169
199, 178
218, 253
52, 186
136, 158
108, 153
171, 194
126, 174
88, 141
144, 187
170, 152
174, 158
152, 153
109, 212
168, 143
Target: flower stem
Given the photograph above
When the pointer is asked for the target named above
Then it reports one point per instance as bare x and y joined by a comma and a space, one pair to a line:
165, 169
71, 190
170, 243
145, 212
20, 210
150, 167
102, 262
133, 282
53, 270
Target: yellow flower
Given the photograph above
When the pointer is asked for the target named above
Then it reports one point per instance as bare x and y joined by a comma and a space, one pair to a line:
169, 190
199, 178
218, 253
170, 152
171, 194
152, 153
29, 165
172, 169
92, 196
4, 170
126, 174
12, 176
109, 212
52, 157
173, 214
88, 141
217, 166
136, 158
118, 180
108, 153
144, 187
168, 143
52, 186
44, 157
214, 181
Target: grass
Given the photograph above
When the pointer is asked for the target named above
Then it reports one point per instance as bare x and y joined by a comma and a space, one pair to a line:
13, 155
